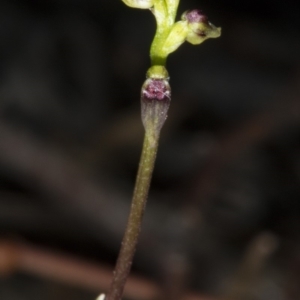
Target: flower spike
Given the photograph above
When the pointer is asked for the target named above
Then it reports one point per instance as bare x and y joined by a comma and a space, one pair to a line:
155, 101
194, 27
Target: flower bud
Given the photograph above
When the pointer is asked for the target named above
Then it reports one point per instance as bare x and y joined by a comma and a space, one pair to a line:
143, 4
200, 28
155, 102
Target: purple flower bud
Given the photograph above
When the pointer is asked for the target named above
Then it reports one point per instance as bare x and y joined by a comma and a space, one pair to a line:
155, 102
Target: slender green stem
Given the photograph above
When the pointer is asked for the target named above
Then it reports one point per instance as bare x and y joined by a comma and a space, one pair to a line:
133, 228
155, 102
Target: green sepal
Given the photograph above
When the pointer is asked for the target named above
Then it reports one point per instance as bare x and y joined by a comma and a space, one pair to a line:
176, 37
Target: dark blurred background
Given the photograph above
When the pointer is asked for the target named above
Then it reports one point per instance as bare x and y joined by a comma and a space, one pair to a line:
223, 217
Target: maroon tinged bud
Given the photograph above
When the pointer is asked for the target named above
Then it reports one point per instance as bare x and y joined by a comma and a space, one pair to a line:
155, 102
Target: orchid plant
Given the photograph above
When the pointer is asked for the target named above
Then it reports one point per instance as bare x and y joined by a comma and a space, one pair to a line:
194, 28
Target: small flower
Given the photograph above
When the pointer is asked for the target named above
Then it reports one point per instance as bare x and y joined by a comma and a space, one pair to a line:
143, 4
200, 28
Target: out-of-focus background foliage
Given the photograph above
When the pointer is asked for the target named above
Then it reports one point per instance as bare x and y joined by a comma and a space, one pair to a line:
224, 213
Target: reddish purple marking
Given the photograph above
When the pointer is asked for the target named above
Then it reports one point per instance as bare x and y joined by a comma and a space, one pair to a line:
201, 33
156, 89
196, 16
